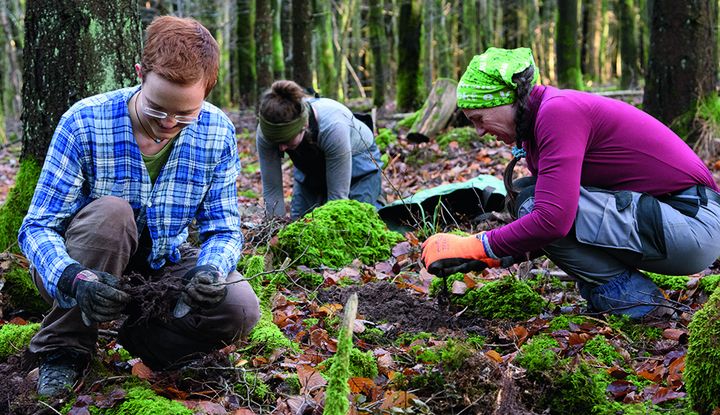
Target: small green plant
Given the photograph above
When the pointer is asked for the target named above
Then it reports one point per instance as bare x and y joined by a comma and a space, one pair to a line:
362, 364
710, 282
335, 234
14, 337
141, 400
633, 330
602, 350
538, 354
373, 335
562, 322
250, 194
252, 388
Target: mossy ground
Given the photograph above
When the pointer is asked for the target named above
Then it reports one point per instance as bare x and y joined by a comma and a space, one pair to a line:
14, 337
21, 292
385, 138
465, 137
702, 367
335, 234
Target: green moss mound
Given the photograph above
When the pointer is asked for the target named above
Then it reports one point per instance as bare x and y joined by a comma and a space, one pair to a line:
16, 206
538, 354
14, 337
336, 233
669, 282
143, 401
702, 365
508, 298
408, 121
464, 136
602, 350
22, 292
254, 388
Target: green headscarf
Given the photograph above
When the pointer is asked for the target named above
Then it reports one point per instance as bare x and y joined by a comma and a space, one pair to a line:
281, 133
487, 81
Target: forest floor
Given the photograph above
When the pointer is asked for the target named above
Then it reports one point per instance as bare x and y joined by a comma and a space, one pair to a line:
427, 357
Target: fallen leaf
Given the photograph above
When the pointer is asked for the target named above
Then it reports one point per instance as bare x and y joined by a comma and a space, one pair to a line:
492, 354
140, 370
361, 385
620, 388
397, 399
679, 335
459, 287
310, 379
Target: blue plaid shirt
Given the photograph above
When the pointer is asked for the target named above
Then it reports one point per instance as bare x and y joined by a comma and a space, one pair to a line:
93, 153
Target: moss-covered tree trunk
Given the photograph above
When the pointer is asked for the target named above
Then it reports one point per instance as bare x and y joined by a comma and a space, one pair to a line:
325, 49
378, 47
629, 53
263, 46
469, 33
682, 59
441, 38
427, 51
408, 55
545, 50
302, 43
569, 74
73, 50
246, 52
277, 42
592, 11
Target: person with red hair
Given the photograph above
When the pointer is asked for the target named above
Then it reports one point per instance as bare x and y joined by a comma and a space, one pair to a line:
126, 173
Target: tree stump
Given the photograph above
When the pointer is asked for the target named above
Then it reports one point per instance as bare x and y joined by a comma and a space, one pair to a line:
436, 112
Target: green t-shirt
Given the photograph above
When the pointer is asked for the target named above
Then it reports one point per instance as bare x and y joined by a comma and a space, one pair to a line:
155, 163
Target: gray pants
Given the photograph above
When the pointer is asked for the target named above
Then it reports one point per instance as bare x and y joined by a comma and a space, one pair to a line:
103, 236
605, 248
365, 185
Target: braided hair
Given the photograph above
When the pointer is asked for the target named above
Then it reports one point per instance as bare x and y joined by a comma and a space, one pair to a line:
523, 130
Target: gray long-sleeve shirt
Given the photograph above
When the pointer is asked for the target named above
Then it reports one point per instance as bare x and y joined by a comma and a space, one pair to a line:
340, 136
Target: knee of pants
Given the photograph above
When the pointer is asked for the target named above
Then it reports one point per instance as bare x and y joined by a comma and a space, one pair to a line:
630, 293
240, 310
106, 220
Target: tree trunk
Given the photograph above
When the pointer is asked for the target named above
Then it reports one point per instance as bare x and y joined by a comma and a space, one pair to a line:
569, 74
286, 34
264, 46
469, 33
325, 50
302, 42
246, 52
408, 55
593, 33
11, 99
102, 35
435, 112
277, 42
683, 58
377, 46
629, 72
442, 43
427, 51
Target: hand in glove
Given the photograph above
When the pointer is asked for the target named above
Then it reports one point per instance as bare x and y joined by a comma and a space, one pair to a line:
205, 289
96, 292
445, 254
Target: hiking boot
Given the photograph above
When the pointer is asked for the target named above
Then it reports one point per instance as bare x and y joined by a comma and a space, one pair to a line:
59, 370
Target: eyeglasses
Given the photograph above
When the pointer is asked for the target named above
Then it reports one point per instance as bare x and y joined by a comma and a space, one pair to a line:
180, 119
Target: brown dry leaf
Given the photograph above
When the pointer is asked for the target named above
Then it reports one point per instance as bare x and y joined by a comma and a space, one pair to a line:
385, 363
620, 388
403, 248
679, 335
361, 385
651, 375
243, 411
469, 282
140, 370
412, 238
674, 372
205, 407
492, 354
310, 379
578, 338
397, 399
329, 309
519, 334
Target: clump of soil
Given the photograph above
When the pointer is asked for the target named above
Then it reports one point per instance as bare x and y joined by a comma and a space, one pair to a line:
408, 313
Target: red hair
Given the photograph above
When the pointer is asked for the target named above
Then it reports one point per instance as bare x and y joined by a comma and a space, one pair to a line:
181, 50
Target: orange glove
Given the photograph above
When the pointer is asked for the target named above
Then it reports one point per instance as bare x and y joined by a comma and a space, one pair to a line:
445, 254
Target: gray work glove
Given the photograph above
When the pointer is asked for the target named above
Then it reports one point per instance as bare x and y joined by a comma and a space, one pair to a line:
204, 289
96, 292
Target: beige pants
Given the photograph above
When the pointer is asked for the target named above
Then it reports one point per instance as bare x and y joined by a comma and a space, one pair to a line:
103, 236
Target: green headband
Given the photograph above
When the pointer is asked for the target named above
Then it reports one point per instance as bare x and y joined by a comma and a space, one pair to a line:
487, 81
283, 132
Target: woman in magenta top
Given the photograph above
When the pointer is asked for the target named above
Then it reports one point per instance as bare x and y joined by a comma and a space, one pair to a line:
613, 190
